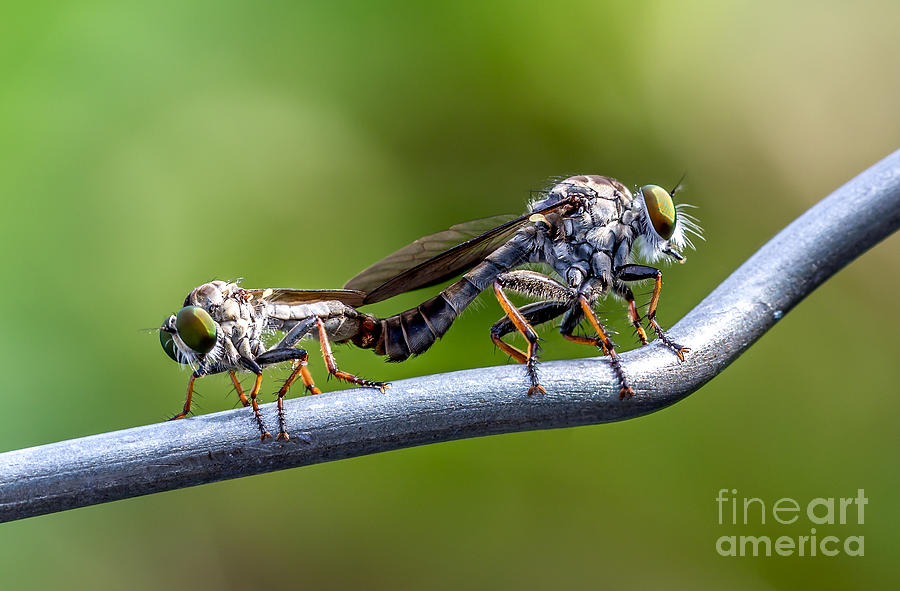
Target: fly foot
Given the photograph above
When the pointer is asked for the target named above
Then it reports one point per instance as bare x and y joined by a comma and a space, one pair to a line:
536, 389
626, 392
531, 369
673, 346
665, 340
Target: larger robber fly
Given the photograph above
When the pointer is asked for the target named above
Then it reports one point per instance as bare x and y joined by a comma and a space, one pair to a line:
587, 230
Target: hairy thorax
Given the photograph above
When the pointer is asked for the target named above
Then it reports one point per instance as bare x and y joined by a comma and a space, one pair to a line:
588, 244
239, 318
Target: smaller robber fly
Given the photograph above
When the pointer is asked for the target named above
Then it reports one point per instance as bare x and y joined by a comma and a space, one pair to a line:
221, 326
588, 230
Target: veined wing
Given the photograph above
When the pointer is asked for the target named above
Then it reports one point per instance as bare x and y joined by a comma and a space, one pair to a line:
435, 258
308, 296
428, 261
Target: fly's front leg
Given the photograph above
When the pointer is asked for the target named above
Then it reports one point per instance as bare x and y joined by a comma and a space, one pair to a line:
298, 358
521, 325
240, 391
256, 369
332, 365
633, 316
637, 273
190, 395
609, 347
198, 373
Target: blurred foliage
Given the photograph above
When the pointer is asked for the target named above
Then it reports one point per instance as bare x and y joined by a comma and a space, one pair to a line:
148, 147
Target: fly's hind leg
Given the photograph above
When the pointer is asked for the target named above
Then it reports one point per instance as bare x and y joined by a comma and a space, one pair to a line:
332, 367
638, 273
298, 358
534, 314
537, 285
521, 324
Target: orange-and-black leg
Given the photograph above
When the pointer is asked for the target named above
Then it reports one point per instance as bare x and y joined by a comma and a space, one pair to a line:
571, 321
608, 346
189, 397
254, 392
298, 357
534, 314
529, 358
238, 389
633, 316
638, 273
332, 367
198, 373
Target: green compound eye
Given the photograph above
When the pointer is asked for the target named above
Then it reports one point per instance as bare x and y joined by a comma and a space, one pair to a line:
661, 210
196, 328
169, 346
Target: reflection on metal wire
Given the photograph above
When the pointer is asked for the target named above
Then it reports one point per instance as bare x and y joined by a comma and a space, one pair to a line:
469, 403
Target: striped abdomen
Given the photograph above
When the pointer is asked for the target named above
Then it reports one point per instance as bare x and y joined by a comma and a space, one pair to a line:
412, 332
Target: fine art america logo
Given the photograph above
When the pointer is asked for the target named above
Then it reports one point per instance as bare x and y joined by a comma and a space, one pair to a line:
818, 518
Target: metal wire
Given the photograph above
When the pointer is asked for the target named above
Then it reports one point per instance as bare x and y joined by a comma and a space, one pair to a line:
470, 403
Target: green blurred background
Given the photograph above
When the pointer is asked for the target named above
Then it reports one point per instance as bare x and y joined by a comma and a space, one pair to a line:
145, 149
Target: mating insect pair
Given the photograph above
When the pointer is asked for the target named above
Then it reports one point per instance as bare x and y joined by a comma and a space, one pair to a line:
586, 230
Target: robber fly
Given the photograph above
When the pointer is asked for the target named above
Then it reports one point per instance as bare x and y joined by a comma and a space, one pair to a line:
586, 229
221, 324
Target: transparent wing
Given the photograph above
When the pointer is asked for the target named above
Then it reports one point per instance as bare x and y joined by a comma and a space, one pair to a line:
435, 258
308, 296
423, 264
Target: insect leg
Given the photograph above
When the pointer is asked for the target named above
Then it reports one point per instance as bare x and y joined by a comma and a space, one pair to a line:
637, 273
198, 373
535, 314
300, 330
332, 367
536, 285
571, 321
521, 324
625, 389
559, 298
633, 316
298, 358
240, 391
255, 368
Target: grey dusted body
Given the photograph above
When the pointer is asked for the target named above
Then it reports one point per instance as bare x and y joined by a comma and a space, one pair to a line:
584, 242
244, 316
342, 322
593, 241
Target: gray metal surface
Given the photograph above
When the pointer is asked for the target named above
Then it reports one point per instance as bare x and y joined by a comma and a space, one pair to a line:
470, 403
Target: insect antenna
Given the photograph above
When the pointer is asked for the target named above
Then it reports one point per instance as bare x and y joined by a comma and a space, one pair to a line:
679, 185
